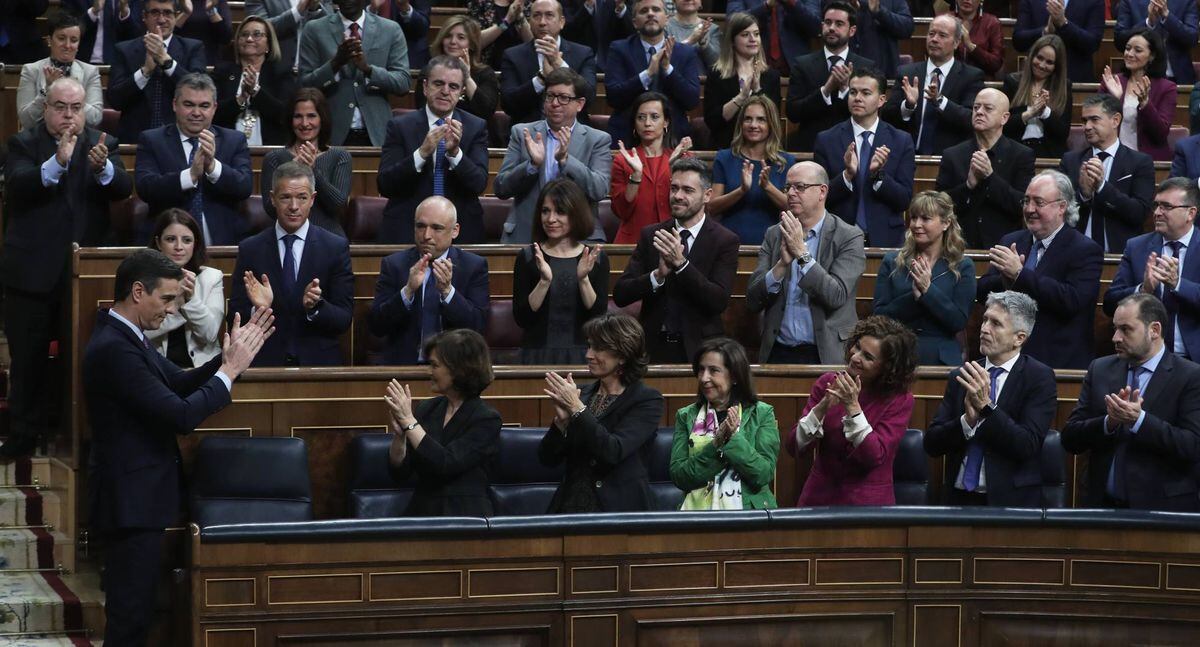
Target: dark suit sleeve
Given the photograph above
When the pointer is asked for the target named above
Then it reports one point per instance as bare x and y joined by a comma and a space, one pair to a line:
333, 185
625, 435
151, 400
1006, 197
397, 174
239, 301
1019, 436
958, 113
634, 284
470, 448
1177, 439
471, 172
469, 307
23, 174
1085, 36
890, 112
716, 95
710, 295
952, 179
121, 185
1125, 24
237, 180
122, 91
831, 160
157, 184
804, 100
416, 25
621, 81
517, 92
1026, 30
1078, 289
334, 315
683, 83
193, 59
1179, 160
1130, 208
896, 187
945, 433
388, 313
1085, 427
587, 69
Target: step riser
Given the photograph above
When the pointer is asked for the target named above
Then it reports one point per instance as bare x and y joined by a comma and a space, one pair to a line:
21, 550
48, 604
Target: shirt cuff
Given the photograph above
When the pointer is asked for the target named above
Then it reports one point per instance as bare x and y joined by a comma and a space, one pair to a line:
803, 268
645, 79
856, 428
407, 14
453, 160
139, 79
968, 430
941, 104
407, 301
682, 267
773, 284
654, 284
670, 68
1133, 429
848, 183
809, 429
171, 70
216, 172
52, 171
185, 180
448, 297
538, 86
531, 169
418, 161
905, 113
106, 175
828, 100
92, 15
621, 13
1045, 113
225, 380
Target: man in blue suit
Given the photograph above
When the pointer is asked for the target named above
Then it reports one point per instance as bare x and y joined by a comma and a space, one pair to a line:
418, 151
1160, 263
870, 163
195, 166
1186, 162
413, 17
787, 26
145, 70
300, 271
1176, 21
117, 20
524, 67
596, 24
137, 402
649, 60
882, 24
1080, 23
1062, 273
428, 288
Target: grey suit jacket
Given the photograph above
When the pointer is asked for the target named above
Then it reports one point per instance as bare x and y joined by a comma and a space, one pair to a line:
830, 285
287, 25
387, 54
31, 103
589, 163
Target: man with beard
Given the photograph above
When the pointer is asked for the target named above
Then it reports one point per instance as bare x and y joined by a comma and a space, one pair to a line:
649, 60
1139, 416
681, 270
524, 67
808, 267
820, 80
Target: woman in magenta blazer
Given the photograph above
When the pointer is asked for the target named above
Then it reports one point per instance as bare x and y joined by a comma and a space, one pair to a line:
1147, 98
855, 418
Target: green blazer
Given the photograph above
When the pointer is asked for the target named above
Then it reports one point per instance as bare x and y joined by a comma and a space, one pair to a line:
751, 452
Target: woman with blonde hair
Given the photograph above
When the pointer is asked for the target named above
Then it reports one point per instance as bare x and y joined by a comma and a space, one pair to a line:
1040, 98
459, 37
739, 74
748, 176
253, 89
928, 284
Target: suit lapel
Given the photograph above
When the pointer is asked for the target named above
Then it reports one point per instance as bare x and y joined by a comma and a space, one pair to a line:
459, 422
1191, 266
1013, 379
1158, 381
825, 249
307, 259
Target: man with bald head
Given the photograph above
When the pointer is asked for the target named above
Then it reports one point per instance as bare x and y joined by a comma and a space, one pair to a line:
59, 179
428, 288
986, 176
808, 268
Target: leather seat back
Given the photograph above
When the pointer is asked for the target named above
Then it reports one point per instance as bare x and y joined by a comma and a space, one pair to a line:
373, 493
364, 215
910, 470
1054, 472
658, 467
251, 480
520, 484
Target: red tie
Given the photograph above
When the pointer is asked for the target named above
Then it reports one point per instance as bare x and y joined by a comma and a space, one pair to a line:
775, 49
354, 32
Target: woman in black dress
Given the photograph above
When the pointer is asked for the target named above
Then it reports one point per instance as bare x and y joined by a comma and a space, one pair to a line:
1040, 98
740, 73
253, 90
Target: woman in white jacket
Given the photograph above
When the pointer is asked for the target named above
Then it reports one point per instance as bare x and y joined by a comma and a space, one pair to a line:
189, 336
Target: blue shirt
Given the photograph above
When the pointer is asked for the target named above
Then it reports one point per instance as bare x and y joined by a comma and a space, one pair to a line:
797, 325
755, 212
1143, 380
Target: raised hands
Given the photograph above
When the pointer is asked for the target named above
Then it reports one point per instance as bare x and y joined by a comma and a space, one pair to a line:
443, 274
258, 292
699, 37
1161, 271
1111, 83
747, 175
1091, 176
1123, 407
66, 145
850, 161
453, 136
980, 169
793, 234
912, 91
1141, 89
1006, 260
242, 343
416, 275
587, 261
632, 161
535, 148
845, 389
839, 78
683, 147
565, 396
52, 74
670, 247
878, 159
547, 46
733, 422
563, 135
399, 402
312, 294
188, 284
922, 276
429, 144
539, 259
98, 155
977, 386
306, 153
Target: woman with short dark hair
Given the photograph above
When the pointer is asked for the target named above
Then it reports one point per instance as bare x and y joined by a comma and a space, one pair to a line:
65, 30
604, 431
446, 440
1147, 96
726, 443
641, 176
190, 336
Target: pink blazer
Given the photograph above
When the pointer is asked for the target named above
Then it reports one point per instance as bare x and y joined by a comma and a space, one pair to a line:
1154, 120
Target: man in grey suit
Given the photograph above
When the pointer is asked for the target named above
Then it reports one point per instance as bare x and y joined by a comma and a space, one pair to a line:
288, 17
808, 267
357, 59
557, 146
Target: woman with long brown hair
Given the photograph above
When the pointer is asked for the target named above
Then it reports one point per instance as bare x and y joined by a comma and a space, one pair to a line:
1040, 98
740, 73
459, 37
748, 176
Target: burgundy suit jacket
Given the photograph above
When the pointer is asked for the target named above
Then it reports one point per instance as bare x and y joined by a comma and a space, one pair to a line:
1154, 120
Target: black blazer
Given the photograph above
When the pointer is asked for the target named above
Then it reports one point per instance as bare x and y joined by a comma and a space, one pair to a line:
953, 122
520, 65
273, 100
536, 322
1082, 34
137, 402
42, 222
405, 188
718, 92
1012, 435
1055, 130
1122, 205
117, 30
135, 103
993, 207
20, 19
1161, 459
612, 451
451, 462
806, 106
1065, 284
702, 288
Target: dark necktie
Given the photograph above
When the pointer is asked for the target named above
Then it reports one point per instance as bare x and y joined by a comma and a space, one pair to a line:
834, 61
430, 310
1116, 472
177, 348
1171, 300
654, 80
975, 448
685, 237
289, 265
354, 31
197, 207
775, 47
1096, 220
865, 151
675, 316
439, 164
929, 117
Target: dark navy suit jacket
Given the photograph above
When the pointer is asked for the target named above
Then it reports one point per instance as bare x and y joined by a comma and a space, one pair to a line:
626, 61
117, 30
1179, 32
879, 34
1187, 158
806, 105
1065, 285
1183, 302
1012, 435
160, 158
134, 102
596, 29
312, 342
1081, 34
520, 64
885, 206
953, 123
799, 21
401, 325
1123, 202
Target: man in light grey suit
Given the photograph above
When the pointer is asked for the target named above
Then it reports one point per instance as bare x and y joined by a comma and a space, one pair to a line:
808, 267
537, 154
357, 59
288, 17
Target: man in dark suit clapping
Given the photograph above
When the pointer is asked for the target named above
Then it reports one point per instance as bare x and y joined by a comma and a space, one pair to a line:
524, 67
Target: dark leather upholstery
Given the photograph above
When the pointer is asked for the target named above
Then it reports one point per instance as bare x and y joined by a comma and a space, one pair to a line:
1054, 472
109, 119
252, 210
373, 493
608, 220
520, 484
495, 212
503, 334
251, 480
701, 136
599, 122
499, 130
666, 495
363, 217
910, 470
126, 217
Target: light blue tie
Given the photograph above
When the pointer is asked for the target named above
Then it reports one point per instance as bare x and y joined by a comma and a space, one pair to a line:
1031, 259
439, 164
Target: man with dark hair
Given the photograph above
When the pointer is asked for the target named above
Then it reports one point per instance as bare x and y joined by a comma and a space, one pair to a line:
1080, 23
300, 271
1114, 184
144, 71
787, 27
440, 150
524, 67
996, 413
987, 175
196, 166
1161, 263
871, 162
59, 179
137, 402
681, 270
820, 80
882, 24
557, 146
1139, 417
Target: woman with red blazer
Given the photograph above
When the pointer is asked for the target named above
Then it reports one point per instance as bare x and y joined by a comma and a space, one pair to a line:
983, 41
855, 419
641, 177
1147, 98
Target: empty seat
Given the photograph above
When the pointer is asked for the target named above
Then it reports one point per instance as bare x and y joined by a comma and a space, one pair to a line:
252, 210
109, 120
128, 217
520, 484
1054, 472
499, 128
1076, 141
495, 212
373, 493
251, 480
910, 470
665, 495
363, 217
608, 220
503, 335
701, 137
599, 122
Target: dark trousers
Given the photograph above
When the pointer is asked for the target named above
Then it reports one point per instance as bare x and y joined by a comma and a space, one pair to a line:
802, 354
132, 569
358, 137
956, 496
667, 348
31, 320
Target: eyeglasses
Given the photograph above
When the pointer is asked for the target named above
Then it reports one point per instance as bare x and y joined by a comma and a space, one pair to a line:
253, 35
1038, 203
799, 187
560, 99
159, 13
1166, 206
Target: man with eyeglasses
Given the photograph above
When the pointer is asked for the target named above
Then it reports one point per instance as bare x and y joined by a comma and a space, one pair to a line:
1161, 263
141, 83
1056, 265
557, 146
439, 150
808, 268
59, 180
524, 67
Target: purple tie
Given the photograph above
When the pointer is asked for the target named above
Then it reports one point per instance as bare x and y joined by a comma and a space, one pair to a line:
974, 447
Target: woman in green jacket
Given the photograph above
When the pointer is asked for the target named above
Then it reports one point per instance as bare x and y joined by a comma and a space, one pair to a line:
725, 445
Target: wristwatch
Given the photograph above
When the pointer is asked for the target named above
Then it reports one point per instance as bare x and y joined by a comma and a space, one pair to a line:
408, 428
804, 258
